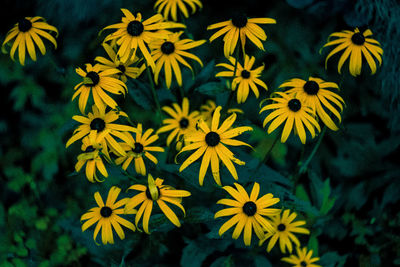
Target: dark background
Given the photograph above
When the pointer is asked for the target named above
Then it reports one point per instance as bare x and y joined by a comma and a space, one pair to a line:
357, 167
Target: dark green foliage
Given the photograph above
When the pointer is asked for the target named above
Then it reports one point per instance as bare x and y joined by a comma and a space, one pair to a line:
349, 194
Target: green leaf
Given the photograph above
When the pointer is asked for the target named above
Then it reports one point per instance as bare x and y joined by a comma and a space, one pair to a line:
302, 194
261, 261
28, 90
313, 244
327, 202
223, 262
212, 88
139, 92
197, 250
206, 72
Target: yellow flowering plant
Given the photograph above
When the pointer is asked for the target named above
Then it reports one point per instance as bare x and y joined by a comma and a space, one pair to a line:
173, 127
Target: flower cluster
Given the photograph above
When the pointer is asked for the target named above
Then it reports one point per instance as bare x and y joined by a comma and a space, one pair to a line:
208, 136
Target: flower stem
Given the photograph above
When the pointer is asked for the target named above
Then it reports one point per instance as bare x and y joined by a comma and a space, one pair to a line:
153, 88
237, 50
181, 94
303, 167
266, 158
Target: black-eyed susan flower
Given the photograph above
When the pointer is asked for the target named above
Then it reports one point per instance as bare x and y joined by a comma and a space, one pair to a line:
250, 212
210, 144
160, 194
355, 45
92, 158
294, 113
207, 111
107, 216
240, 27
169, 8
133, 34
315, 94
304, 258
284, 227
124, 69
101, 123
245, 78
139, 149
97, 82
169, 53
28, 32
181, 123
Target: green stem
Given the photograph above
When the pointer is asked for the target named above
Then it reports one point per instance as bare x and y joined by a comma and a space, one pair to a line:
186, 30
181, 94
231, 96
266, 158
153, 88
303, 167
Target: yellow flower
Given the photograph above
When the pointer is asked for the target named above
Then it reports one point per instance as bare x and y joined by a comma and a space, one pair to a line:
314, 94
210, 142
294, 112
124, 68
108, 217
250, 212
28, 32
240, 27
138, 149
245, 77
169, 53
303, 258
96, 81
181, 123
101, 124
356, 44
207, 111
132, 34
283, 229
159, 193
91, 156
170, 7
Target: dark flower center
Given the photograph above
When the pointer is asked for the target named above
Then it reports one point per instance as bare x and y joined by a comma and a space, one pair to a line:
105, 212
135, 28
90, 149
358, 38
121, 68
24, 25
97, 124
245, 74
294, 105
94, 76
250, 208
239, 20
303, 264
281, 227
138, 148
167, 48
212, 139
148, 194
311, 87
184, 123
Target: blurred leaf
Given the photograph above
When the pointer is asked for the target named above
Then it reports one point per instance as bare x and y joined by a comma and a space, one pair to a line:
140, 93
199, 250
28, 90
301, 193
313, 244
211, 88
299, 3
261, 261
223, 262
